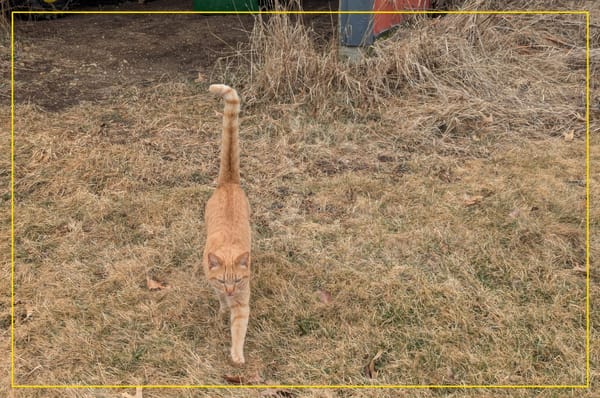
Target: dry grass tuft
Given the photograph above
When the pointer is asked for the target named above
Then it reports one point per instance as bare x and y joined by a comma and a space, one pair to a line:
465, 56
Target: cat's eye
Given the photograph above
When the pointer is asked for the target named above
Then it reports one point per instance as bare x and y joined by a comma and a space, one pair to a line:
237, 280
221, 281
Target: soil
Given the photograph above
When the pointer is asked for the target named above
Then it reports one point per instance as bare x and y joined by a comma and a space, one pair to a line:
85, 57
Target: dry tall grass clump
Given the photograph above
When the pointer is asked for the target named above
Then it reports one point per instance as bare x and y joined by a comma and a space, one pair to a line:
457, 56
287, 65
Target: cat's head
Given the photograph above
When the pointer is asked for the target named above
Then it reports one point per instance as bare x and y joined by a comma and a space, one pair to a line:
229, 276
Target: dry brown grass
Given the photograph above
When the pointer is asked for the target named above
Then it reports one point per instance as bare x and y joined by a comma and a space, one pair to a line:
434, 198
464, 54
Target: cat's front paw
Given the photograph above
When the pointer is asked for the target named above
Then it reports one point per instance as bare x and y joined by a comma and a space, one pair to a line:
237, 358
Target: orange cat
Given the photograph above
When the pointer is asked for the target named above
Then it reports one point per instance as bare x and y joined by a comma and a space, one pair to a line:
226, 259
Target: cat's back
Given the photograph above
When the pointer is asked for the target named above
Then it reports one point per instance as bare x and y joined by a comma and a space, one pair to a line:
228, 207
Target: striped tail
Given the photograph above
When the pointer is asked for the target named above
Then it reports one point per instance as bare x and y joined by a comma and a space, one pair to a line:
229, 171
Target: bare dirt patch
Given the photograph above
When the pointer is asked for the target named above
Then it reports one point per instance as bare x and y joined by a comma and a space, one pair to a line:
86, 58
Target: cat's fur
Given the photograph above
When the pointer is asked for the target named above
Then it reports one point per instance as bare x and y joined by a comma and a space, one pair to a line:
226, 260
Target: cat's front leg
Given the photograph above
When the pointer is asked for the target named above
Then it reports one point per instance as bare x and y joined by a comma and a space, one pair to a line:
240, 312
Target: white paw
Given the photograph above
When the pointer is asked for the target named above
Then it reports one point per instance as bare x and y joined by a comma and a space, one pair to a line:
237, 358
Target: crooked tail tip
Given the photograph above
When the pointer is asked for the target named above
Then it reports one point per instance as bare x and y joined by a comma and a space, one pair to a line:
219, 89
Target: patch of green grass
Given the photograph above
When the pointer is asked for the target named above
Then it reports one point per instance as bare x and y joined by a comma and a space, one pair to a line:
307, 325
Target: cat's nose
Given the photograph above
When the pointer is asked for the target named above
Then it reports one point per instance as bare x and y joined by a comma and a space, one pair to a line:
229, 290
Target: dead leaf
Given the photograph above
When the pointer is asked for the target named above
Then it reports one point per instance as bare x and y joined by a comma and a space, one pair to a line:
472, 200
277, 392
488, 119
28, 312
370, 371
234, 379
515, 213
569, 136
138, 393
155, 285
242, 379
325, 296
200, 78
580, 269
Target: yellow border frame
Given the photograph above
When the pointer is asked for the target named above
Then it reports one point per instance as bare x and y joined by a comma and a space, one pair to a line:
233, 386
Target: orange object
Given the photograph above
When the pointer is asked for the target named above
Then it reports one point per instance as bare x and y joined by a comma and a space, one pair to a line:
383, 22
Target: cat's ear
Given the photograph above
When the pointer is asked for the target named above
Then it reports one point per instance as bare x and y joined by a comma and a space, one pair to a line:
243, 260
213, 261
